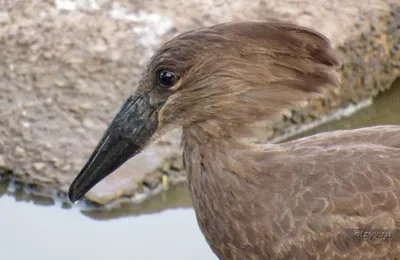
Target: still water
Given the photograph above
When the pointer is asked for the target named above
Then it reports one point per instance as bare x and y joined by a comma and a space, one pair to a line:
35, 232
162, 228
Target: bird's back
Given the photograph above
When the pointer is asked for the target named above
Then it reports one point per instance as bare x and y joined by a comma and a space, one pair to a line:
349, 196
341, 195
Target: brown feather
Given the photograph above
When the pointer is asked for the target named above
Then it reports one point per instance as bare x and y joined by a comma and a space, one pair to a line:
304, 199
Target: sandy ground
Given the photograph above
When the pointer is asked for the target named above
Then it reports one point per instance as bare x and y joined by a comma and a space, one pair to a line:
66, 67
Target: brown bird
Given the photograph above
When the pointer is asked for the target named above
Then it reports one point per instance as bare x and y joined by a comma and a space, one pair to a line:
329, 196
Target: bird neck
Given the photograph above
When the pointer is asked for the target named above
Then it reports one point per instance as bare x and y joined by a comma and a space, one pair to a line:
206, 151
208, 158
215, 159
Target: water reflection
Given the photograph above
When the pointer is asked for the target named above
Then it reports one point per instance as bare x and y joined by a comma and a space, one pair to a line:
176, 197
384, 111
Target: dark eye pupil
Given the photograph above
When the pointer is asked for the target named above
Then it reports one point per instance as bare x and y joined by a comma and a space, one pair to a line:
167, 79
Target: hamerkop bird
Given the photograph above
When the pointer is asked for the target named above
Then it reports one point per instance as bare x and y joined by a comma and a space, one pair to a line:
319, 197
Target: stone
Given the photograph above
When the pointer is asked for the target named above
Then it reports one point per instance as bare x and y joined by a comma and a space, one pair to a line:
39, 166
19, 151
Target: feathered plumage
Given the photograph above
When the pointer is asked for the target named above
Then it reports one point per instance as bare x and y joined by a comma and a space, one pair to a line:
303, 199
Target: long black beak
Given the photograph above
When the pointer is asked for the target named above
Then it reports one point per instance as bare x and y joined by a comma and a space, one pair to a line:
130, 130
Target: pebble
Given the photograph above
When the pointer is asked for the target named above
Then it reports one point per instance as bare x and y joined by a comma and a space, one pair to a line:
165, 181
66, 167
4, 17
104, 103
19, 151
86, 106
48, 145
47, 55
60, 83
26, 124
89, 123
39, 166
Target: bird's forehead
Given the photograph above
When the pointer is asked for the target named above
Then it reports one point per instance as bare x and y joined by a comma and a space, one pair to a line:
185, 49
176, 60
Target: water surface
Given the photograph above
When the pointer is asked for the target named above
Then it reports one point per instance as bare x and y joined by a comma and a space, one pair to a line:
35, 232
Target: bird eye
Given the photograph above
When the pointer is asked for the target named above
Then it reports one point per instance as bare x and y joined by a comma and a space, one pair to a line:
167, 79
